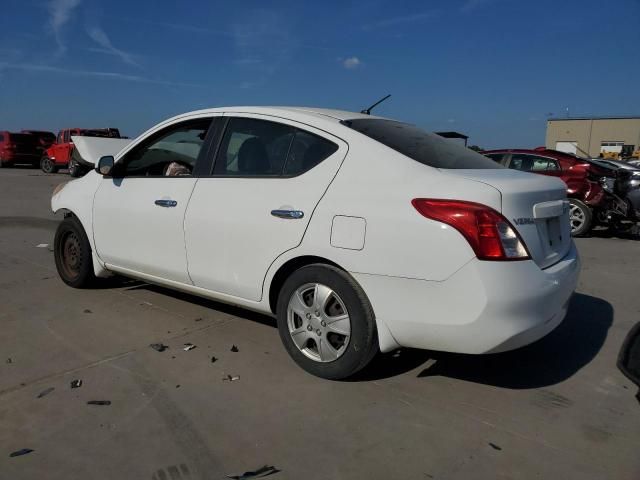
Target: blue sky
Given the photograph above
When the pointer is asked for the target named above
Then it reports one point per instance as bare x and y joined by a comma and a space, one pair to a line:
494, 69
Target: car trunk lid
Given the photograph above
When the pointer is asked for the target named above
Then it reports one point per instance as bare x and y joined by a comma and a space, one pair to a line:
535, 205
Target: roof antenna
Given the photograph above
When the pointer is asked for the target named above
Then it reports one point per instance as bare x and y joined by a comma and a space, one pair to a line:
367, 111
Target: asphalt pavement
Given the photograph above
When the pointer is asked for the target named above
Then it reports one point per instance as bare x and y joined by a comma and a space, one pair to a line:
556, 409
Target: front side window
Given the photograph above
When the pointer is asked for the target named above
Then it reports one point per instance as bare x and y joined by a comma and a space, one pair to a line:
257, 148
427, 148
171, 152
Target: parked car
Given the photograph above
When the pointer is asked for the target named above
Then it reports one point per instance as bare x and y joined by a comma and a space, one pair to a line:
45, 139
360, 234
18, 148
60, 154
615, 164
582, 177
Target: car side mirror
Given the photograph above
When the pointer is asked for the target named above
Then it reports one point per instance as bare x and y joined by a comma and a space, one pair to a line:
629, 358
105, 165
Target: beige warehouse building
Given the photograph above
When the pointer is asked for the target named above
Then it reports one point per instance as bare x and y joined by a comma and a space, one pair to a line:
595, 136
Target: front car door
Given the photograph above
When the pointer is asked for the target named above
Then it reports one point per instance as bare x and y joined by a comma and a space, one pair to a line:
138, 214
268, 176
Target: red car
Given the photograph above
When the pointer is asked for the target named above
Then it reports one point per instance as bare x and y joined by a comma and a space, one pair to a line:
582, 176
58, 155
18, 148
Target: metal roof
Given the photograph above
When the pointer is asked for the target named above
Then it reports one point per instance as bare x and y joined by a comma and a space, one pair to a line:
603, 117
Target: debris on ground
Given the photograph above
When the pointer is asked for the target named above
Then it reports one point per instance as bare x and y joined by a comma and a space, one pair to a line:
42, 245
19, 453
158, 347
46, 392
9, 360
76, 383
99, 402
214, 359
199, 319
234, 348
188, 346
86, 310
261, 472
148, 304
178, 386
231, 378
494, 446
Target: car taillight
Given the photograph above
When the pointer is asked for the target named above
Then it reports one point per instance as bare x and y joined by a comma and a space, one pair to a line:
490, 235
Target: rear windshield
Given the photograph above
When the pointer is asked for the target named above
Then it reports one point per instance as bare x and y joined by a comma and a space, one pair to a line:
427, 148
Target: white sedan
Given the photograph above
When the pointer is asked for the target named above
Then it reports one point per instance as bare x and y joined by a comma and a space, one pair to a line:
359, 233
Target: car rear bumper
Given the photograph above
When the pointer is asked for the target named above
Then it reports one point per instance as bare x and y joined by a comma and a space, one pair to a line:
484, 307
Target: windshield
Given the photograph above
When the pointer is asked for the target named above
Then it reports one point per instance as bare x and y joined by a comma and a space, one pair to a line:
426, 148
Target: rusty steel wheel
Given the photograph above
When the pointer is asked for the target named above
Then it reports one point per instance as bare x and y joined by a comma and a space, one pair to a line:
72, 253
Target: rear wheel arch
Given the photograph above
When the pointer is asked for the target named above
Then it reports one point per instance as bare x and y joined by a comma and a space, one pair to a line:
287, 268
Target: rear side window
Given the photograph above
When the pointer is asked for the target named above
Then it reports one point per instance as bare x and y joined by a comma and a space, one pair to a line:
532, 163
426, 148
260, 148
1, 138
496, 157
307, 151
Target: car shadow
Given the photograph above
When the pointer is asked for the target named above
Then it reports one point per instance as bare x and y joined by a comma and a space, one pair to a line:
207, 303
631, 234
554, 358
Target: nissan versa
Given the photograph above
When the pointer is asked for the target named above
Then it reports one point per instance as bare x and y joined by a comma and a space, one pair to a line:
359, 233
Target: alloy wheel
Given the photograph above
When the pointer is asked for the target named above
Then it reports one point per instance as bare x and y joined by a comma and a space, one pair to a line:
318, 322
577, 217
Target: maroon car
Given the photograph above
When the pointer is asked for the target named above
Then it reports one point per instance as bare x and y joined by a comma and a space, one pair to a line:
18, 148
582, 177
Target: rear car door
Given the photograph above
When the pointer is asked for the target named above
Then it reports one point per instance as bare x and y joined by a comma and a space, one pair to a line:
268, 176
138, 215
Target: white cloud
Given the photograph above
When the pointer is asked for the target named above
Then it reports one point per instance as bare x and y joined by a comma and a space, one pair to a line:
351, 63
390, 22
100, 37
34, 67
60, 12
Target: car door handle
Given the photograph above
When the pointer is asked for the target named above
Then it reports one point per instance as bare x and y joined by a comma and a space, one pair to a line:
166, 203
291, 214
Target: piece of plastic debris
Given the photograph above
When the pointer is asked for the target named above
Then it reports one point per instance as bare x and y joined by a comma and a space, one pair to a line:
494, 446
178, 386
149, 304
86, 310
231, 378
234, 348
199, 319
76, 383
158, 347
9, 360
46, 392
261, 472
19, 453
188, 346
214, 359
42, 245
99, 402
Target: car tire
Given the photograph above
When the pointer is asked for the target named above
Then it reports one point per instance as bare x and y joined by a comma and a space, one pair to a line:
47, 165
72, 254
580, 216
74, 169
328, 345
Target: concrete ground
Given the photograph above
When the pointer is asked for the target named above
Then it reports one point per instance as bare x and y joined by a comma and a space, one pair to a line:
556, 409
